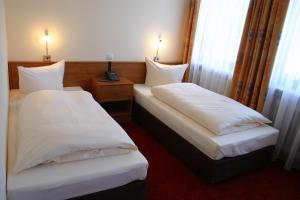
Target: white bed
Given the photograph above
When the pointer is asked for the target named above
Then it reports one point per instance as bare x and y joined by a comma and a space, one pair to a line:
214, 146
62, 181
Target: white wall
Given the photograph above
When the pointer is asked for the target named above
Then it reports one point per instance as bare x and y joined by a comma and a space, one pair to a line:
89, 29
3, 103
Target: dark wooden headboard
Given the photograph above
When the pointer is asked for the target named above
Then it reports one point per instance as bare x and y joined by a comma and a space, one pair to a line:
81, 73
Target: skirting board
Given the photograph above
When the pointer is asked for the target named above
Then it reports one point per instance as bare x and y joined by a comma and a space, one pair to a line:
213, 171
134, 191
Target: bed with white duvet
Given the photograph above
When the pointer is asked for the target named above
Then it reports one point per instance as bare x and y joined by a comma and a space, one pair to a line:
215, 138
74, 148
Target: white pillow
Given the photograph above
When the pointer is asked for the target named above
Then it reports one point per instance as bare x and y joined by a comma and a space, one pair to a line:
159, 74
41, 78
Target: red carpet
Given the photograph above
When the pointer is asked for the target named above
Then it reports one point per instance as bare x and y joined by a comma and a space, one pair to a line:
168, 178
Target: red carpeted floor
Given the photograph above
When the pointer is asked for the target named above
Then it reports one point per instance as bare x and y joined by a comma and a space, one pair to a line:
168, 178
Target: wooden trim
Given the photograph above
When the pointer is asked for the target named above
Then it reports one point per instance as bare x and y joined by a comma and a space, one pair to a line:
81, 73
186, 75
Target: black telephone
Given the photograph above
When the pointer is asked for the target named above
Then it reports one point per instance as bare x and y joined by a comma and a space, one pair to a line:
110, 75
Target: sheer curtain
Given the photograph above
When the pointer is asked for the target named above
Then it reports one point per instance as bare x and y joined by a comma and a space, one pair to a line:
283, 98
218, 35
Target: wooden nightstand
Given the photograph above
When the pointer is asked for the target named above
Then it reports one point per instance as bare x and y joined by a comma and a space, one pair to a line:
115, 97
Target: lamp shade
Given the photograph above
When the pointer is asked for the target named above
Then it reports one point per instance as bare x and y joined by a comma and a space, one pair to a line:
110, 57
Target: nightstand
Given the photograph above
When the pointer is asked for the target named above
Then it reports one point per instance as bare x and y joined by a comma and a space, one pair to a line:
115, 97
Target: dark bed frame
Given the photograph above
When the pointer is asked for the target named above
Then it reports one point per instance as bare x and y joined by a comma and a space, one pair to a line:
213, 171
134, 191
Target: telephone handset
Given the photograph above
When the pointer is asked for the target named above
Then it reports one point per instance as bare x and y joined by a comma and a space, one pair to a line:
110, 75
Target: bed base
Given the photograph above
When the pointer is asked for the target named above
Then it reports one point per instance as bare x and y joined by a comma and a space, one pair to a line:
134, 191
213, 171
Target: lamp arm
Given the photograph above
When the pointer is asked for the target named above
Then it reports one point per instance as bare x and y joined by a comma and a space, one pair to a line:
157, 51
47, 51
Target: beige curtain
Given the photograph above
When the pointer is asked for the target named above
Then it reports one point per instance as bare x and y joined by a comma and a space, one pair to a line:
257, 51
190, 36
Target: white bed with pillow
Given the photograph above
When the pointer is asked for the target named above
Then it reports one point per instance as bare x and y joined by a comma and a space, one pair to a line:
218, 126
214, 146
215, 135
62, 144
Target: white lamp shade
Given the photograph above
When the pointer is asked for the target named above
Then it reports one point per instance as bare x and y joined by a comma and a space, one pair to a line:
110, 57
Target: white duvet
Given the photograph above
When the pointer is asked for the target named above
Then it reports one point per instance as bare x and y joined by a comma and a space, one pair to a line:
220, 114
60, 126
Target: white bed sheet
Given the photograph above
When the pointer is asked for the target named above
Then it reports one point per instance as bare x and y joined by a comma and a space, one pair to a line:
62, 181
214, 146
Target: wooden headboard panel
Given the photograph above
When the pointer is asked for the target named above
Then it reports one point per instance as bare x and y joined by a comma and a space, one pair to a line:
81, 73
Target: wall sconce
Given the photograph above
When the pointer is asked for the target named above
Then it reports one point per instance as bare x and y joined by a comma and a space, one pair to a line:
47, 40
158, 46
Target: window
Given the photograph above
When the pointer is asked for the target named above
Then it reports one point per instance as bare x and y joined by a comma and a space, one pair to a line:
286, 71
282, 104
218, 35
220, 28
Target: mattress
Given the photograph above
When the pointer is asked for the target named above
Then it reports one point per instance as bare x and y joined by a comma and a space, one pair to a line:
62, 181
214, 146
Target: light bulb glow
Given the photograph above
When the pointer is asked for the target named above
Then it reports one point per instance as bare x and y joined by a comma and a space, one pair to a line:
158, 43
47, 39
